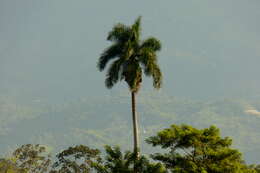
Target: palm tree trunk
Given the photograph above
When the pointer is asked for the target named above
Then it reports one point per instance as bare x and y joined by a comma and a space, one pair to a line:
135, 129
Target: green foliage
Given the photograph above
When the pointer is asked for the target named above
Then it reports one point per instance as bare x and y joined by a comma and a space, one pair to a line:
186, 150
254, 167
130, 57
78, 159
196, 151
7, 166
82, 159
32, 158
117, 162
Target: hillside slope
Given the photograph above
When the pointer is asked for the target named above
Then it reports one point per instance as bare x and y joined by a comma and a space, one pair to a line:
104, 120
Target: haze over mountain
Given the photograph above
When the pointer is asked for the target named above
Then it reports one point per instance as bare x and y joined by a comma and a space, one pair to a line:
49, 50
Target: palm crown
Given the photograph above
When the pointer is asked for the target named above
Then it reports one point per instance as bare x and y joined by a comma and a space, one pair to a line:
131, 57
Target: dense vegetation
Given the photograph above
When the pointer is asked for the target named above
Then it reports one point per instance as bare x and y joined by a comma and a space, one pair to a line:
185, 150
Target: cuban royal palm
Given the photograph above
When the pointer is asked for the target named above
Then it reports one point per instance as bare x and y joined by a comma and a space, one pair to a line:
131, 58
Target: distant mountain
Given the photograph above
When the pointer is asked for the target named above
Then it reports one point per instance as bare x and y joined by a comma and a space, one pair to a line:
96, 121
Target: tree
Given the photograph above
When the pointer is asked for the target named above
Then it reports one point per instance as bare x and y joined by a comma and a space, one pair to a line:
7, 166
32, 158
117, 162
131, 57
82, 159
255, 167
197, 151
78, 159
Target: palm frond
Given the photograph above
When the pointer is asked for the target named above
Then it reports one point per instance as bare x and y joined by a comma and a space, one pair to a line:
133, 57
152, 43
113, 73
136, 29
148, 59
110, 53
120, 33
132, 74
157, 76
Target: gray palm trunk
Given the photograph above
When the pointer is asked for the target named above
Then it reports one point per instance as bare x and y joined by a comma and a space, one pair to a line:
135, 131
135, 126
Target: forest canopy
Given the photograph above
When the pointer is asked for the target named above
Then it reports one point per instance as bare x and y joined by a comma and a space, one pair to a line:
185, 149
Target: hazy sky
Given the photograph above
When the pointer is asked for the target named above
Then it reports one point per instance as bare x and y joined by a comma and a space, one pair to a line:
52, 46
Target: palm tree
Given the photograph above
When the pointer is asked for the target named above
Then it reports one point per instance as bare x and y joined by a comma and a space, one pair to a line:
131, 57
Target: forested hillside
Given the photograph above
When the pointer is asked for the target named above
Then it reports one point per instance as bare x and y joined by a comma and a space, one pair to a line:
96, 121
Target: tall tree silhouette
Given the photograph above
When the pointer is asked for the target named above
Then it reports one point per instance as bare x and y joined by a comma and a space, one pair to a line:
130, 58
